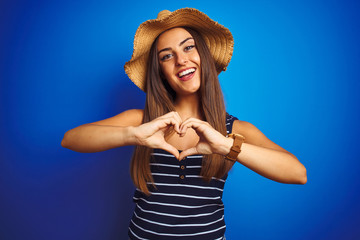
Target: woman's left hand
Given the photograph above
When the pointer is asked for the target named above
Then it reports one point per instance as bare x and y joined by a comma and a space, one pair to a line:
258, 153
211, 141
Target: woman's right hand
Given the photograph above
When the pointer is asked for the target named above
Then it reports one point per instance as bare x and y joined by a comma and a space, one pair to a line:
152, 134
123, 129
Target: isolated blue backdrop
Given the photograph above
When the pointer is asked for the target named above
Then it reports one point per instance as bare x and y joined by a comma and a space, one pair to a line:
294, 74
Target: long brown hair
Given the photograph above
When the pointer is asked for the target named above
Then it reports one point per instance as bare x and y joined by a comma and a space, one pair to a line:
160, 99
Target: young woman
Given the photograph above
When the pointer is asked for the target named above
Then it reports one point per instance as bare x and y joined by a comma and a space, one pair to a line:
184, 148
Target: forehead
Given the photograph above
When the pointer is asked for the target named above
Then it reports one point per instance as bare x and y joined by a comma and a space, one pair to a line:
172, 37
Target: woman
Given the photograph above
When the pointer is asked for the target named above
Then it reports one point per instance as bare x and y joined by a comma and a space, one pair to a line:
183, 146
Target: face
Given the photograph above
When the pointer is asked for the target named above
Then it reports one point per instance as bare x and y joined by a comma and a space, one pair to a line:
179, 61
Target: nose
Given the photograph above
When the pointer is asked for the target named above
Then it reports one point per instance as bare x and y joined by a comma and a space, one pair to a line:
181, 59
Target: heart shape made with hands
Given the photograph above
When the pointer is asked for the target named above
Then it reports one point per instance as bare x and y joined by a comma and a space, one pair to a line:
183, 142
203, 140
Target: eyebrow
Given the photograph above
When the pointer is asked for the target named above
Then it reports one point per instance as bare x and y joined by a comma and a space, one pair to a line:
181, 43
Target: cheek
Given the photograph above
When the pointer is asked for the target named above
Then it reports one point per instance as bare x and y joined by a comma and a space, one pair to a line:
196, 58
165, 69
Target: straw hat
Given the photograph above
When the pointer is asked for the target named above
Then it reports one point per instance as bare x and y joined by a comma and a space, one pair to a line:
217, 37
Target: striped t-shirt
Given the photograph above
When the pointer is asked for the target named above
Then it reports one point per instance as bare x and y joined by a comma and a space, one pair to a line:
183, 205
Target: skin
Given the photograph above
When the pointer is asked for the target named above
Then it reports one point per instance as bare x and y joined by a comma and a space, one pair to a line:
176, 56
192, 134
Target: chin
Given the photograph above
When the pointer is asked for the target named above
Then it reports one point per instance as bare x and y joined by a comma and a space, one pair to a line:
189, 91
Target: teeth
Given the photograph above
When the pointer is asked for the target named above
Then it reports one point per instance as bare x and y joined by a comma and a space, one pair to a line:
183, 73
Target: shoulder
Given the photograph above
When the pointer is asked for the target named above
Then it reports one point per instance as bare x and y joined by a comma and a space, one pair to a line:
243, 126
131, 117
254, 136
248, 130
134, 113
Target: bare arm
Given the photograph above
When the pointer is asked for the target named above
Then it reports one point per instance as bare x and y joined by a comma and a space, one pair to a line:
123, 129
267, 158
257, 153
109, 133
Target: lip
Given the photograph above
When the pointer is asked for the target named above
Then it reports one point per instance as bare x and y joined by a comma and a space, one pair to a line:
187, 77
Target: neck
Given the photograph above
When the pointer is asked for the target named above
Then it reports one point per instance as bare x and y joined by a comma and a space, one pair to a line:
188, 106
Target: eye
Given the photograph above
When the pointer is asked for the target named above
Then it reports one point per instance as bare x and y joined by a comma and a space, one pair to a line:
188, 48
166, 57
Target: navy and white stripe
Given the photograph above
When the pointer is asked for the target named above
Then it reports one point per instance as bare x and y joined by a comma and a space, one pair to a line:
183, 205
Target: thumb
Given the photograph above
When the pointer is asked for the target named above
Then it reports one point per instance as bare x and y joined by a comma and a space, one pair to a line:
188, 152
171, 149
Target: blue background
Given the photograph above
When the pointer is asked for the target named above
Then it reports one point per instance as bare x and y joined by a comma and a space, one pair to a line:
294, 74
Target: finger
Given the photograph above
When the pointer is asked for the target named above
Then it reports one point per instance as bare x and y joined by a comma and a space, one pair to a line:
173, 114
177, 117
192, 123
165, 122
172, 121
184, 126
188, 152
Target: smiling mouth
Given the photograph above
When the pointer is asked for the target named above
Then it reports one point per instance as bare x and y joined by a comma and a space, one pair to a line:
186, 72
